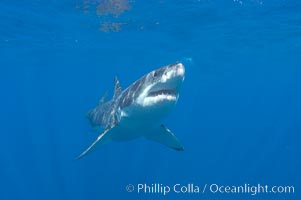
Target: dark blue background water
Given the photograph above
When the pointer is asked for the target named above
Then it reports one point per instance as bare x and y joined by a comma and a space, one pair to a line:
238, 115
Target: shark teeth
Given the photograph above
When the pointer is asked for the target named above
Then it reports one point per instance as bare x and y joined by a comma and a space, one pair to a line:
160, 98
164, 92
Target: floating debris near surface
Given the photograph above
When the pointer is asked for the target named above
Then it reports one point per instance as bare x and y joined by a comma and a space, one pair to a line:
108, 11
114, 7
110, 27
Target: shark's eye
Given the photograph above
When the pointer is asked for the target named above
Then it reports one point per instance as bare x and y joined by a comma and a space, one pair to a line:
155, 74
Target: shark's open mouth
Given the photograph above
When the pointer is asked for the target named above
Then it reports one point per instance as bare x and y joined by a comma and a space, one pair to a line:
162, 92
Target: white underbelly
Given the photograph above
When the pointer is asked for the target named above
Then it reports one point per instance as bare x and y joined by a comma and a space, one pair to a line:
121, 133
128, 129
137, 121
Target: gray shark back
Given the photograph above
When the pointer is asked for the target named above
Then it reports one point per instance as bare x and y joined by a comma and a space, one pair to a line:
106, 113
103, 115
127, 97
131, 93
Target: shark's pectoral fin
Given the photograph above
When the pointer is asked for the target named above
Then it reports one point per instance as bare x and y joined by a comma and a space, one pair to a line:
164, 136
101, 140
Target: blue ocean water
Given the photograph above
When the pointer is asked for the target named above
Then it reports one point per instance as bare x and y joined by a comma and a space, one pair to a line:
238, 115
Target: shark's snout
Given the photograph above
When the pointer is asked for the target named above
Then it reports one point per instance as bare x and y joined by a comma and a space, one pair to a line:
180, 70
174, 72
165, 85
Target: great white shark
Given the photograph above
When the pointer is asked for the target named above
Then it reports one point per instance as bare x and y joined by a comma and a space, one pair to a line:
138, 110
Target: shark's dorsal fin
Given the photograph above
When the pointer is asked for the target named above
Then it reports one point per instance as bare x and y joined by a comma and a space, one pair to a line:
117, 88
103, 99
